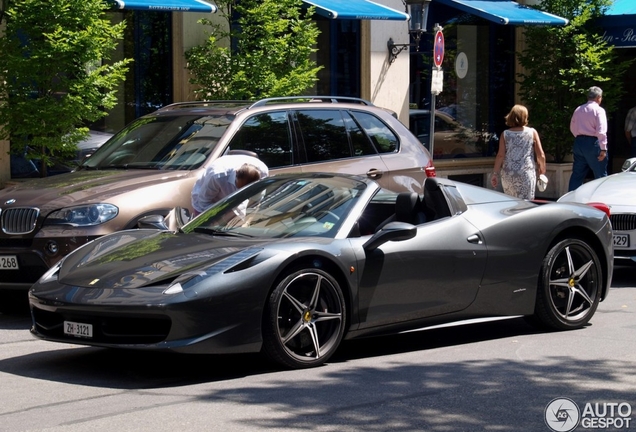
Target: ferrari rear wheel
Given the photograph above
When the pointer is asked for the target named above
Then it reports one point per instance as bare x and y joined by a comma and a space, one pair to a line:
305, 318
569, 286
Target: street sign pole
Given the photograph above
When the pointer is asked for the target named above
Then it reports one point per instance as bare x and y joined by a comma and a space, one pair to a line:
437, 81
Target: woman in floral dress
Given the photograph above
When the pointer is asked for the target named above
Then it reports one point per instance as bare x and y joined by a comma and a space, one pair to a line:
520, 157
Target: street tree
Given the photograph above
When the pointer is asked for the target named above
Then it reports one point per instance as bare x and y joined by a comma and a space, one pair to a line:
560, 63
260, 48
55, 74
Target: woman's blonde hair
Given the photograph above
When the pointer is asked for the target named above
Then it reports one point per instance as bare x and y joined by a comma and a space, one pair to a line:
518, 116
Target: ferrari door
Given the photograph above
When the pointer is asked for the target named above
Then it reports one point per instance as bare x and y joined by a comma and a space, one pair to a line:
436, 272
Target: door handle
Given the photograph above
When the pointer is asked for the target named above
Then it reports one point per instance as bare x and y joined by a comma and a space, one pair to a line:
374, 173
474, 239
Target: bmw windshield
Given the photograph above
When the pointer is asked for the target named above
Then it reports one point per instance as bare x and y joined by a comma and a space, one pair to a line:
161, 142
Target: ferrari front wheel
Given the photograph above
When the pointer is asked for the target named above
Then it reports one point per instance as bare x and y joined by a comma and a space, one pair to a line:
569, 286
304, 319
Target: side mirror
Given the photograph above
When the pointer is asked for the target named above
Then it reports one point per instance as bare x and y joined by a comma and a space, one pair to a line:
393, 231
628, 164
152, 221
173, 221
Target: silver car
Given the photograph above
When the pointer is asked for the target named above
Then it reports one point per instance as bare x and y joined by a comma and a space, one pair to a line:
618, 191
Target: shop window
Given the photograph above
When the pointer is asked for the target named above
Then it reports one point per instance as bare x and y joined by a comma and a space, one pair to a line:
478, 88
339, 55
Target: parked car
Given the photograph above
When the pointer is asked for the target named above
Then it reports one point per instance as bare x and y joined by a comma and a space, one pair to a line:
21, 167
294, 263
619, 192
150, 166
451, 138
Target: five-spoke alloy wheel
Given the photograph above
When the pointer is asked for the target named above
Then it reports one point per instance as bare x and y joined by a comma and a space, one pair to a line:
570, 285
305, 319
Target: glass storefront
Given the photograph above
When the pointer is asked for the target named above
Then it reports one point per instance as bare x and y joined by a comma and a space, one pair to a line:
339, 55
148, 84
478, 86
478, 76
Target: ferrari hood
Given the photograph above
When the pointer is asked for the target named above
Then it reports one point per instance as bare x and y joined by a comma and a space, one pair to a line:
82, 187
136, 258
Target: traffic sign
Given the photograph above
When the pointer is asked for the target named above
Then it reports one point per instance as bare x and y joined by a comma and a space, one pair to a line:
438, 49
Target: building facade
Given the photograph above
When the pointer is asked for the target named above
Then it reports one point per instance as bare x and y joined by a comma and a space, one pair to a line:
478, 67
619, 29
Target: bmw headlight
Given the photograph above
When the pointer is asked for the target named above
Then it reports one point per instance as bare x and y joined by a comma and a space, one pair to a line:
87, 215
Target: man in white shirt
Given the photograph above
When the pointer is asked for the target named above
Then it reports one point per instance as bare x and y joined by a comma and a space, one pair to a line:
226, 175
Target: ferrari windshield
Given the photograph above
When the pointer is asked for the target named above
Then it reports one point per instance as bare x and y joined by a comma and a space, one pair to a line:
161, 142
283, 206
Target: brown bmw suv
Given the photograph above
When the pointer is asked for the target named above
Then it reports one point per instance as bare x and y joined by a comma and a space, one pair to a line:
150, 166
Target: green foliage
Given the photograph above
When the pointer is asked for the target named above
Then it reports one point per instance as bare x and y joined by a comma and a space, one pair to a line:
273, 41
560, 64
54, 73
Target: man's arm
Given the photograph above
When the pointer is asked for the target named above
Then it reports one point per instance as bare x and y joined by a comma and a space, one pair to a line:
601, 130
573, 127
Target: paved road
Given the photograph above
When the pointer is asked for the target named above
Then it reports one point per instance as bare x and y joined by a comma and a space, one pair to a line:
493, 376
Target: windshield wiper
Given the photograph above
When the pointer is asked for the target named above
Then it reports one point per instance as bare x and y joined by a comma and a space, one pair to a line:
131, 166
214, 231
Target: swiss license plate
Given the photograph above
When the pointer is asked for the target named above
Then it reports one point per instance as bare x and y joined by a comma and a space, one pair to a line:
621, 240
78, 329
9, 262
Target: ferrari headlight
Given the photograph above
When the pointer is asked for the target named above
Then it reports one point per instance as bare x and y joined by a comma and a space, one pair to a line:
87, 215
192, 278
52, 273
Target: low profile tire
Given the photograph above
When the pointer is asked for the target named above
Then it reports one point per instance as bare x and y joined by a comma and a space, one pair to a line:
569, 286
304, 319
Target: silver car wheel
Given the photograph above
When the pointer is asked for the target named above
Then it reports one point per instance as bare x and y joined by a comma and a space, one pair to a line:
306, 320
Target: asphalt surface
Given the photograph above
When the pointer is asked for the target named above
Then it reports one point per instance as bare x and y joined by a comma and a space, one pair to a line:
490, 376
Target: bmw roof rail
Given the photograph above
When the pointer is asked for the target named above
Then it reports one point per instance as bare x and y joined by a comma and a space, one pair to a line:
223, 103
326, 99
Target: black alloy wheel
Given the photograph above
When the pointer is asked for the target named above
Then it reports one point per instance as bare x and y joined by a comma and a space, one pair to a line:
305, 318
570, 284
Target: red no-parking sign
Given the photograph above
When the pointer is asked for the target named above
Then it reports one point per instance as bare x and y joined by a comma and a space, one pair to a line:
438, 48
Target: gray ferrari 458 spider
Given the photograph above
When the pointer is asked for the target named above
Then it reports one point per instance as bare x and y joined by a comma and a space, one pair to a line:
292, 264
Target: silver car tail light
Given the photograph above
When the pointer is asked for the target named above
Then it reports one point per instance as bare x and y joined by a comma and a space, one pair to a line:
430, 170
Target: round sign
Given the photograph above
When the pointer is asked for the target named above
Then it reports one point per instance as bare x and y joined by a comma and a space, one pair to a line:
438, 49
461, 65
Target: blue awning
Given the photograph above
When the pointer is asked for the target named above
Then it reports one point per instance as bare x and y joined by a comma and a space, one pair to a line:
168, 5
505, 12
356, 9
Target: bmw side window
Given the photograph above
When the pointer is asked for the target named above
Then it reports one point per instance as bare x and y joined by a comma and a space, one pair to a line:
361, 143
324, 135
381, 135
268, 135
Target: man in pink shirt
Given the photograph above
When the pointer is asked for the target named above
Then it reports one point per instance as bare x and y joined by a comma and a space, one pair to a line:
589, 127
